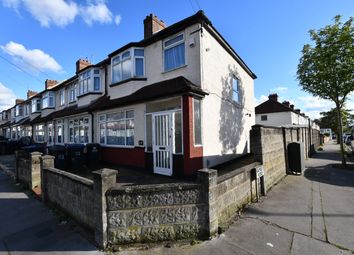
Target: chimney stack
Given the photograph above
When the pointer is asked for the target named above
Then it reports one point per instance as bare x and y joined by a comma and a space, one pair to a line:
292, 106
273, 97
297, 111
31, 93
81, 64
152, 25
50, 83
286, 103
19, 101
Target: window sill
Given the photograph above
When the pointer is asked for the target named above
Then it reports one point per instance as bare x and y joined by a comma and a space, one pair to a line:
128, 80
48, 108
72, 102
174, 69
90, 93
118, 146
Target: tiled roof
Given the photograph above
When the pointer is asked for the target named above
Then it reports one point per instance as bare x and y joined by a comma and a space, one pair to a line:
271, 106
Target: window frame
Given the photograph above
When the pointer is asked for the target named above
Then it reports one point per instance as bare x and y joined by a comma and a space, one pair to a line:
62, 97
59, 123
47, 96
104, 120
264, 117
73, 126
132, 57
73, 92
164, 48
201, 123
238, 91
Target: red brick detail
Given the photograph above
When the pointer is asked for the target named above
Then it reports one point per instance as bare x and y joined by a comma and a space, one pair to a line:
124, 156
193, 156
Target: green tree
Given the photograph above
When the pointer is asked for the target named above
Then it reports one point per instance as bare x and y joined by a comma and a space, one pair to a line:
326, 69
329, 120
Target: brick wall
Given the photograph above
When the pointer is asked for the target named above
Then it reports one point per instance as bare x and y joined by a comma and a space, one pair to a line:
28, 168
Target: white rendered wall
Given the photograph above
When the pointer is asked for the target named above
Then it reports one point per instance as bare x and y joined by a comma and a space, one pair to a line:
275, 119
226, 124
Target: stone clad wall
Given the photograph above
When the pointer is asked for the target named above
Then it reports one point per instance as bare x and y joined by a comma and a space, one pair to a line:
269, 146
28, 168
233, 193
72, 193
152, 213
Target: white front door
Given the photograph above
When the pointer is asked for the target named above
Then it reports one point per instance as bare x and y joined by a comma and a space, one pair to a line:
162, 143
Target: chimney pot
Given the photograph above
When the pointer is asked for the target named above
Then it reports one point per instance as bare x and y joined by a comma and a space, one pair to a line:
286, 103
50, 83
152, 25
273, 97
81, 64
297, 111
292, 106
31, 93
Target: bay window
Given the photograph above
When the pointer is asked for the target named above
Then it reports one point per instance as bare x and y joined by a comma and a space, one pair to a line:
117, 128
50, 133
72, 92
174, 53
127, 65
79, 130
27, 111
59, 131
89, 81
36, 105
62, 97
197, 121
19, 110
39, 133
48, 100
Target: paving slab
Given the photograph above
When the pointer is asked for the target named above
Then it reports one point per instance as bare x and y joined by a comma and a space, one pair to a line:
306, 245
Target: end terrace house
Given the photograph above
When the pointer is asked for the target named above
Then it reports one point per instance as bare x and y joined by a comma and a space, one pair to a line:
178, 100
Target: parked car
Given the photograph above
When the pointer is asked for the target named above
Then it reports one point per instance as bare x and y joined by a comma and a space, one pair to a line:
348, 140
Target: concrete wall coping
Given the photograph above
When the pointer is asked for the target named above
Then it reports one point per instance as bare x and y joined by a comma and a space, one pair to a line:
237, 171
71, 176
119, 189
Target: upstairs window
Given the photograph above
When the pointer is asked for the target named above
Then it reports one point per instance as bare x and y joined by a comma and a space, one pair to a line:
62, 97
27, 109
264, 117
235, 89
174, 53
19, 110
72, 92
36, 105
96, 80
127, 65
48, 100
84, 81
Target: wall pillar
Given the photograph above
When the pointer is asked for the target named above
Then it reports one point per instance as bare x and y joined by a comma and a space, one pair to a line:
103, 180
208, 179
35, 175
46, 162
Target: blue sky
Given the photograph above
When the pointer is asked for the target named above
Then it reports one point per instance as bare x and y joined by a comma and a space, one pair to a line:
46, 37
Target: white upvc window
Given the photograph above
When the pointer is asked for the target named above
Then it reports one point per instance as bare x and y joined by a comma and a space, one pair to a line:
39, 133
117, 128
90, 81
36, 105
129, 64
59, 132
174, 53
235, 89
79, 130
197, 121
48, 100
50, 133
72, 92
27, 109
19, 110
62, 97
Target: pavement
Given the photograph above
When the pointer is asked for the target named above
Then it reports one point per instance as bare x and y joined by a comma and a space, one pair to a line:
308, 214
29, 227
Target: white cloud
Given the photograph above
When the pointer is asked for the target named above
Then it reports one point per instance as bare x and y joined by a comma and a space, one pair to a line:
33, 60
117, 19
11, 3
7, 97
280, 89
260, 100
97, 12
63, 12
57, 12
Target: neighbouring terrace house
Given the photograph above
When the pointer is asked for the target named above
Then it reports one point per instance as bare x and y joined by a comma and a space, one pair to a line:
274, 113
178, 100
